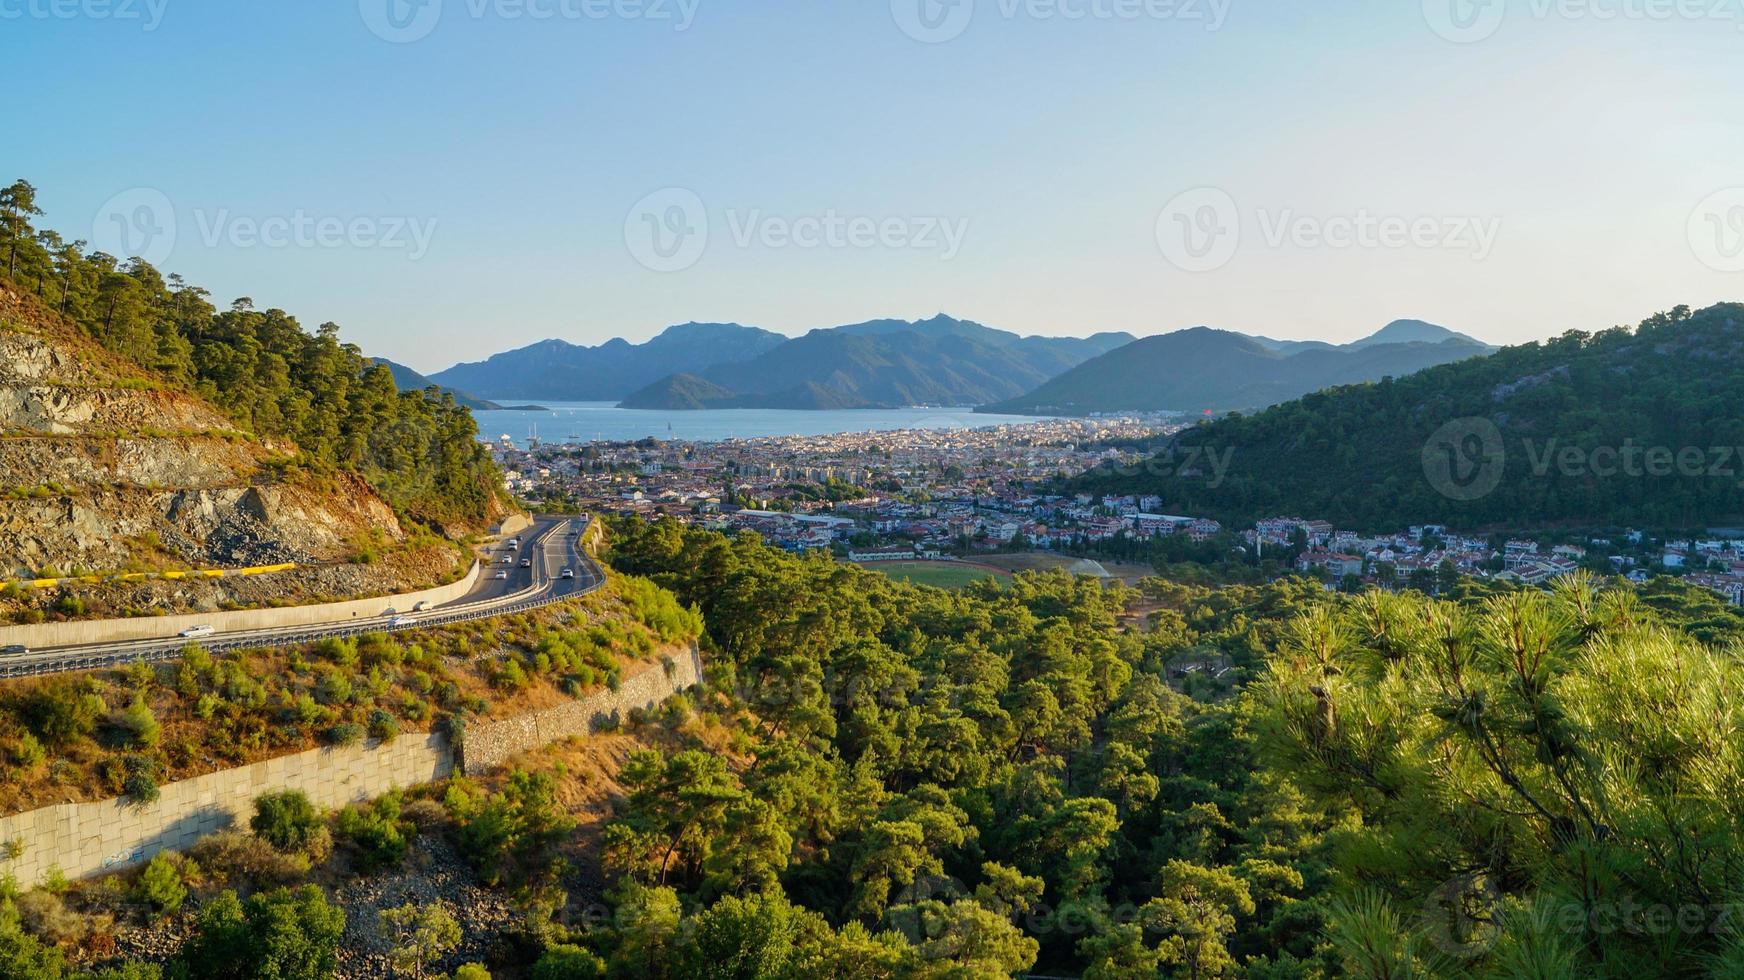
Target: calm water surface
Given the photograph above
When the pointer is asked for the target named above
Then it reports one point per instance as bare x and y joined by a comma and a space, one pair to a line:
584, 421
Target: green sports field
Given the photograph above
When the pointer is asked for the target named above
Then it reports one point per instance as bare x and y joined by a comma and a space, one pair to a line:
942, 574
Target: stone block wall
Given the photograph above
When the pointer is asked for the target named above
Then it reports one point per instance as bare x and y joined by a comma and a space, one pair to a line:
84, 839
491, 744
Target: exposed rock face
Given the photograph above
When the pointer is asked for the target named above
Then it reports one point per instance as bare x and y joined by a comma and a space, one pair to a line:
103, 465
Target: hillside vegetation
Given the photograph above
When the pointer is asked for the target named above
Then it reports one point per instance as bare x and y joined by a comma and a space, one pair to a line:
885, 781
1557, 432
1204, 369
133, 408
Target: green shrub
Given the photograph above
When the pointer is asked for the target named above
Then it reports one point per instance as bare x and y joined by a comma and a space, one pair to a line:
338, 650
333, 688
287, 820
62, 711
44, 914
28, 751
287, 934
231, 854
564, 962
160, 884
345, 733
382, 726
137, 724
376, 832
141, 787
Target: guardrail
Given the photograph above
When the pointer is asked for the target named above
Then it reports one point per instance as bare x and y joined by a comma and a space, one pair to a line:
50, 583
589, 577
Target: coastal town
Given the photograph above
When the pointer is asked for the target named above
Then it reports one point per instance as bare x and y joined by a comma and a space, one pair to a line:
953, 494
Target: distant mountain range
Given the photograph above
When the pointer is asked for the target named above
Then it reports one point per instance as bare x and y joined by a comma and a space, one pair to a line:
407, 379
1203, 369
944, 361
1613, 429
555, 370
880, 364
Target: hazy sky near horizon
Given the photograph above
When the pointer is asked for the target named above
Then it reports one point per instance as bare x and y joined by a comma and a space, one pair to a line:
465, 176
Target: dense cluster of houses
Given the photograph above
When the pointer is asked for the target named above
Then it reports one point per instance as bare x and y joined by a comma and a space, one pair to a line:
928, 494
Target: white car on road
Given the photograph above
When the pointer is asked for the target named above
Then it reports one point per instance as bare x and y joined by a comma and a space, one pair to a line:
501, 576
196, 631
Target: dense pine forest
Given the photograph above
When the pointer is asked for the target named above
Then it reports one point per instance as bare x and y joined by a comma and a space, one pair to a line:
1497, 783
1568, 424
885, 780
278, 380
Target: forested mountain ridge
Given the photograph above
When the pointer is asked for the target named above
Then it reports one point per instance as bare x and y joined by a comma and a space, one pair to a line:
1203, 369
410, 380
847, 366
882, 364
1557, 422
561, 371
315, 405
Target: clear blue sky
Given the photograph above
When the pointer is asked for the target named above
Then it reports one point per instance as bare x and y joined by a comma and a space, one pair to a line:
522, 145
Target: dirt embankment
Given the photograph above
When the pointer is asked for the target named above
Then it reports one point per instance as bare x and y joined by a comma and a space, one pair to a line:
106, 468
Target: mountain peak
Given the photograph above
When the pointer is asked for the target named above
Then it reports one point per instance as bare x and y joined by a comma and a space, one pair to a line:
1413, 332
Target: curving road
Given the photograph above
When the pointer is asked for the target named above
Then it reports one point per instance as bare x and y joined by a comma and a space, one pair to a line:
549, 547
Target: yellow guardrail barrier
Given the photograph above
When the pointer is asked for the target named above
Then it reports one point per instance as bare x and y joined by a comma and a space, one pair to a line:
49, 583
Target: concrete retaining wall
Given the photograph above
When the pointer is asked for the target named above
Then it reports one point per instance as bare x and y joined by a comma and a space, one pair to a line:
84, 839
491, 744
45, 635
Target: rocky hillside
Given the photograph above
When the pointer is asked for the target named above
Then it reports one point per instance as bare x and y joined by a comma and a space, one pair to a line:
104, 467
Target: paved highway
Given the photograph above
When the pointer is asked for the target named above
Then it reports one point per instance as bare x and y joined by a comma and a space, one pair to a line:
549, 547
